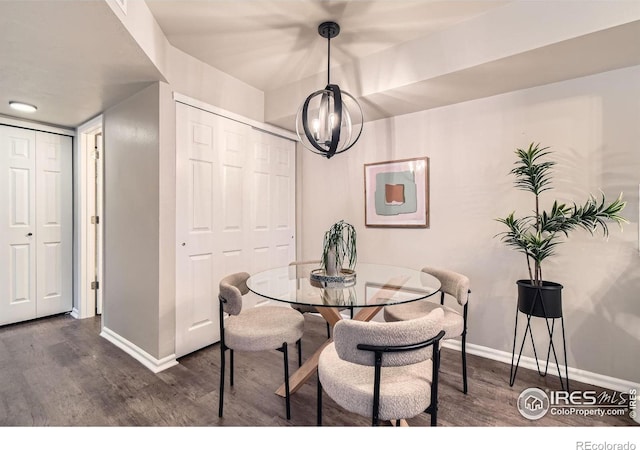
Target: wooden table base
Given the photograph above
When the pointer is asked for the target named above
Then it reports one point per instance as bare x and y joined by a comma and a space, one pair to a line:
304, 372
332, 316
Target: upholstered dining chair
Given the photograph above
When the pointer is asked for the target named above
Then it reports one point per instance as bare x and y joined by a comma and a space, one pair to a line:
386, 371
453, 285
304, 269
255, 329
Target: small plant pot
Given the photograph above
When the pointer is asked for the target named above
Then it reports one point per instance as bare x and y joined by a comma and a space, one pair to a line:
540, 301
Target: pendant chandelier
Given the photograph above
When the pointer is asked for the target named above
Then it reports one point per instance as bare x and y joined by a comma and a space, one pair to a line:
330, 120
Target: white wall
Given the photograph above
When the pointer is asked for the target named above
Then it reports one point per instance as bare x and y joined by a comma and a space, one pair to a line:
593, 127
131, 220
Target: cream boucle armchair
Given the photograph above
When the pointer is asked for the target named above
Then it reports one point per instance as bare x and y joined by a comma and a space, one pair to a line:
386, 371
453, 285
255, 329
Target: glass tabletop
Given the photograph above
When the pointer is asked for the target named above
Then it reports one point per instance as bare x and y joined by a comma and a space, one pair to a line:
375, 285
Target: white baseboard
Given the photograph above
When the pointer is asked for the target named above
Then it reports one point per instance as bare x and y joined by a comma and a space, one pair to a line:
151, 363
75, 312
528, 362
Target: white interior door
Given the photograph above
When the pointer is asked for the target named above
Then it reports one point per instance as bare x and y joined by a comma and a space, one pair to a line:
35, 224
89, 219
17, 224
231, 200
197, 321
270, 191
53, 224
283, 200
98, 212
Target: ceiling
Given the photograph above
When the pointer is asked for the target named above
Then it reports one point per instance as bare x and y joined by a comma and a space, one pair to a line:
76, 58
268, 44
72, 59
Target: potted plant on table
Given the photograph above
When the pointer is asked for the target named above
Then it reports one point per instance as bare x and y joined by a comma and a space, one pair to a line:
338, 248
538, 235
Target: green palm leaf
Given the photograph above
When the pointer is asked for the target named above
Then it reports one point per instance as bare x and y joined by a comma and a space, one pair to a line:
538, 235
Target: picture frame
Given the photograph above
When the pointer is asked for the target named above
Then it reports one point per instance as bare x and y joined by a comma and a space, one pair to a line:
396, 193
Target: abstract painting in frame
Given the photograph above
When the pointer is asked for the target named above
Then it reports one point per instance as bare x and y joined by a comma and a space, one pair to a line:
396, 193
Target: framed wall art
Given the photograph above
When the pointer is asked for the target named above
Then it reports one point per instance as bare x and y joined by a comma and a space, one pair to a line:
396, 193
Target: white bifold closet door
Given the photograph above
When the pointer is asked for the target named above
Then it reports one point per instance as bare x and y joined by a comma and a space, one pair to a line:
235, 206
35, 224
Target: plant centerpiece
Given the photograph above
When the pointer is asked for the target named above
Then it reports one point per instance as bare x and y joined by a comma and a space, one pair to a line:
338, 248
538, 235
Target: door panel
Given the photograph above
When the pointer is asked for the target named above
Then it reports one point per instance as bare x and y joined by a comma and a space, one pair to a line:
51, 285
200, 196
284, 187
20, 271
231, 196
54, 229
17, 225
231, 222
200, 292
272, 198
197, 322
20, 197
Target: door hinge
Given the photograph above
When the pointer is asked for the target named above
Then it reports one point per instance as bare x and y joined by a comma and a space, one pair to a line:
96, 154
95, 285
95, 220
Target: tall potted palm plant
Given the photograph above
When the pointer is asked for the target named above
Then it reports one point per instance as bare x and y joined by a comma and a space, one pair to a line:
538, 235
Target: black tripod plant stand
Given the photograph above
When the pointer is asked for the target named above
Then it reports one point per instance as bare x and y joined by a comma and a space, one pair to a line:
543, 301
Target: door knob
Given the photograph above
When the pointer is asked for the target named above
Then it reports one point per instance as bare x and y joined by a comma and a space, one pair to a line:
29, 234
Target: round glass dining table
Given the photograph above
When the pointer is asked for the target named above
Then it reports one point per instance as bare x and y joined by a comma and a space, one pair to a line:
374, 286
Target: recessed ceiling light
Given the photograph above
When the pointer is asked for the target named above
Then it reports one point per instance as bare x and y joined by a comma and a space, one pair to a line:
24, 107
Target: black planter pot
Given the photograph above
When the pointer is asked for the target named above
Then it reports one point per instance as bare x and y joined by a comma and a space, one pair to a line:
540, 301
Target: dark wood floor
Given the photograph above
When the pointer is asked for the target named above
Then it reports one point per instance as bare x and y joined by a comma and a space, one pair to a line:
59, 372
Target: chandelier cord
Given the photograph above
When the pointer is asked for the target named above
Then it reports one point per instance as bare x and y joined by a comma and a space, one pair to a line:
328, 60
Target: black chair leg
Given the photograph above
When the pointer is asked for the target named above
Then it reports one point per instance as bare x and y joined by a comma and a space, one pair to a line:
299, 344
434, 389
319, 401
231, 368
221, 397
464, 347
286, 379
464, 363
328, 331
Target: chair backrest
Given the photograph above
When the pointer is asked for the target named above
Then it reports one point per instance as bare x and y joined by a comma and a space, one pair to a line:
232, 288
347, 334
452, 283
